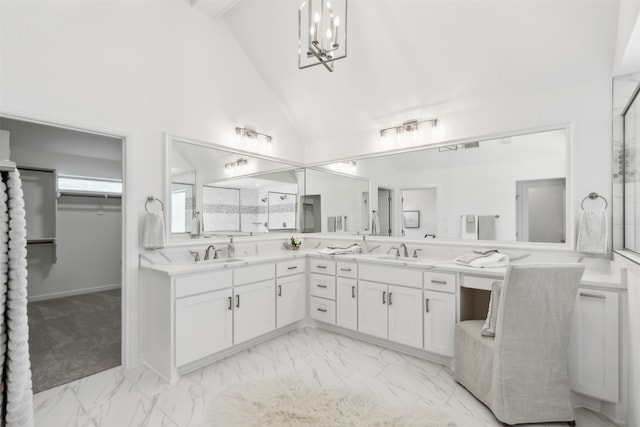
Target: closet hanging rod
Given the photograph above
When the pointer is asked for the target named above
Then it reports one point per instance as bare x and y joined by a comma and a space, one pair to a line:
83, 194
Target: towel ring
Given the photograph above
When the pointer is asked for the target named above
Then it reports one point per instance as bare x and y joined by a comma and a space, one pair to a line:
151, 199
594, 196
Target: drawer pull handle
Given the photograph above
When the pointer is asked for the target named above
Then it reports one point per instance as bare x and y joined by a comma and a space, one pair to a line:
353, 292
322, 286
345, 269
390, 293
582, 294
439, 282
321, 266
292, 268
426, 305
237, 301
384, 294
230, 303
324, 310
279, 290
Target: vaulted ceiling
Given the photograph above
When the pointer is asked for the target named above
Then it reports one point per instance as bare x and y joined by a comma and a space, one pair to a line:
418, 59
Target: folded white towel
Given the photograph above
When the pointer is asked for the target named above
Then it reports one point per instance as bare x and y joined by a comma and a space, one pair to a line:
592, 236
494, 259
153, 237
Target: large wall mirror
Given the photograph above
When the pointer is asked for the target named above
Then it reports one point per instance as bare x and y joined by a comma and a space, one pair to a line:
511, 189
233, 192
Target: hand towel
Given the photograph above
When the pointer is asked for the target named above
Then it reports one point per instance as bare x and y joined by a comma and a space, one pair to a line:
486, 227
375, 223
592, 235
493, 259
153, 237
469, 227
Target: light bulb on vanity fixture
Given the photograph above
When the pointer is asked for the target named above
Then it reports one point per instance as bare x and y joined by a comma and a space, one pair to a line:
252, 137
405, 133
320, 39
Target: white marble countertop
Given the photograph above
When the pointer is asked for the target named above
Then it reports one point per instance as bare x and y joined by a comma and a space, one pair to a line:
614, 279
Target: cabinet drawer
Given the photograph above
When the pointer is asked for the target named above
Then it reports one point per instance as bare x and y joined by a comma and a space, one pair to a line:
198, 283
445, 282
322, 310
322, 266
478, 282
253, 273
294, 266
322, 286
348, 269
391, 275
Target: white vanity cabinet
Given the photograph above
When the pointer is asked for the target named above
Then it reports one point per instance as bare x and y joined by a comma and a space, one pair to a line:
192, 311
254, 311
594, 345
439, 312
390, 303
347, 295
290, 292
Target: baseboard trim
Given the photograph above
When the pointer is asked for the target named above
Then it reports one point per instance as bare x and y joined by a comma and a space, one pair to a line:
72, 293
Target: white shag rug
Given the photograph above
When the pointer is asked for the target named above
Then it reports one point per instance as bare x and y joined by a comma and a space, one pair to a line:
290, 402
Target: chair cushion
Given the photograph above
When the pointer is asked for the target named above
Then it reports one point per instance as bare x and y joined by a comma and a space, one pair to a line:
474, 359
489, 328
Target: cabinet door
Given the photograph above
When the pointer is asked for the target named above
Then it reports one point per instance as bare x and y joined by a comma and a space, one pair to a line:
290, 297
254, 311
439, 322
372, 308
405, 315
593, 359
203, 325
347, 303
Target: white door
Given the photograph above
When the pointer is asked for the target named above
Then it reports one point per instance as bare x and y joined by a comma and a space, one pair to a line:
203, 325
540, 210
372, 308
405, 315
290, 300
254, 310
439, 322
347, 303
593, 355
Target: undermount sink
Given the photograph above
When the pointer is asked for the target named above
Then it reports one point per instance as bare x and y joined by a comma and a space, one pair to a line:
398, 258
218, 261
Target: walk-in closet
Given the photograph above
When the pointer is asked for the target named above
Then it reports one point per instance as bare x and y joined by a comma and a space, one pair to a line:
72, 183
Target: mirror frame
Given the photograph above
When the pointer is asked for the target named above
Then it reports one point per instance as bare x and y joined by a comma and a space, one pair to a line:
571, 222
169, 138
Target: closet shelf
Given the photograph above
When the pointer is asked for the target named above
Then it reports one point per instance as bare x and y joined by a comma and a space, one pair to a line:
89, 194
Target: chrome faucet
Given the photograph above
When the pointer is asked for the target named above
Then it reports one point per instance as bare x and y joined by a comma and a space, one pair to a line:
215, 253
406, 253
397, 250
196, 255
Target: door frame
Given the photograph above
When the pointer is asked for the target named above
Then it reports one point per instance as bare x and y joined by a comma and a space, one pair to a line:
129, 351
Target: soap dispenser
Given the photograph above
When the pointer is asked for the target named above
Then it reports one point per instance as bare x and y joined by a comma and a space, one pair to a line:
231, 248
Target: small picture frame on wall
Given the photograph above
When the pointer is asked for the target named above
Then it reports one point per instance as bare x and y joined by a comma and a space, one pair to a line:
411, 219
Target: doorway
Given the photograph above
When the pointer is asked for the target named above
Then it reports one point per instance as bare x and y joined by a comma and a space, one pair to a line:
311, 214
73, 185
385, 198
419, 213
541, 210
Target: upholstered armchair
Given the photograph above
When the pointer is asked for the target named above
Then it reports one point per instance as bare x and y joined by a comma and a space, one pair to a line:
522, 374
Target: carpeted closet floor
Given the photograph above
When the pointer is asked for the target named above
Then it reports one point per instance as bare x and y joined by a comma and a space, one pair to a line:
73, 337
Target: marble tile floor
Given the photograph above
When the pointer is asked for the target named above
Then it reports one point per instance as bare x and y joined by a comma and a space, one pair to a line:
138, 397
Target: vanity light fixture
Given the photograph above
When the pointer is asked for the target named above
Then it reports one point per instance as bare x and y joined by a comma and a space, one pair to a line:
237, 167
252, 136
406, 127
322, 33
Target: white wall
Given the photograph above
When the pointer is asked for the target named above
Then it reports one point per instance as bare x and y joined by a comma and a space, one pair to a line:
137, 68
425, 202
88, 230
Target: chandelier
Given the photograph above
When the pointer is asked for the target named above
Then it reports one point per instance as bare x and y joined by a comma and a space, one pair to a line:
322, 33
